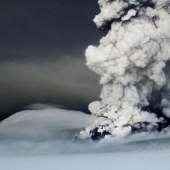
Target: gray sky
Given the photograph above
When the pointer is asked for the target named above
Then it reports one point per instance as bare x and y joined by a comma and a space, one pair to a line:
42, 48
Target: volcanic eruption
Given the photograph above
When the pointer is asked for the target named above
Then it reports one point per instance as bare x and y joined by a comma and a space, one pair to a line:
133, 62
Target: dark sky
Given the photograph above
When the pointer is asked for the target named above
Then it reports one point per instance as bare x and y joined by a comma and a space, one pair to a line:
63, 25
42, 46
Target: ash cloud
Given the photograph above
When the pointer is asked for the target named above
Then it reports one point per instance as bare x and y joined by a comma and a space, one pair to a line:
133, 62
64, 81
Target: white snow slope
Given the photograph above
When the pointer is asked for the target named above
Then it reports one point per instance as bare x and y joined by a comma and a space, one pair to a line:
43, 139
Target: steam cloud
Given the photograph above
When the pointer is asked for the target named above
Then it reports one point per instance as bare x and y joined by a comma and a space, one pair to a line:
133, 62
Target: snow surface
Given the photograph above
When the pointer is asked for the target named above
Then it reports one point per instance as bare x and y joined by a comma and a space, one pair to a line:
130, 161
43, 139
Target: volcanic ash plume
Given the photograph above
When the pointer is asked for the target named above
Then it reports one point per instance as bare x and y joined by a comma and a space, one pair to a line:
133, 62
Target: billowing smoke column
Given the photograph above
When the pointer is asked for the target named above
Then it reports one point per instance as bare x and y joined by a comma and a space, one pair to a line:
132, 60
